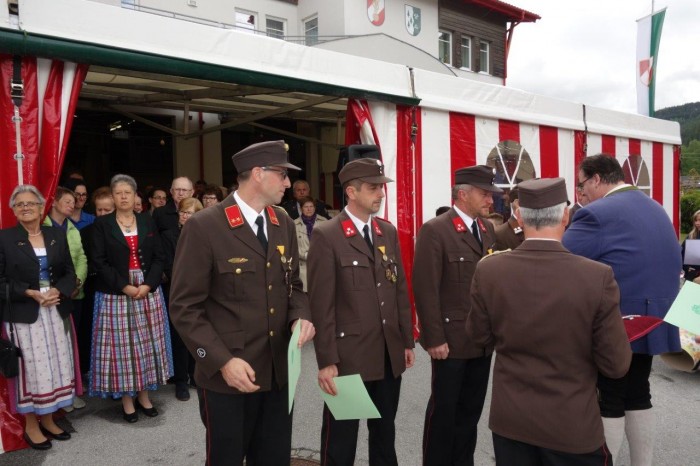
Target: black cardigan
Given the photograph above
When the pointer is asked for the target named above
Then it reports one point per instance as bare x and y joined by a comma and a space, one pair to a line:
20, 267
110, 253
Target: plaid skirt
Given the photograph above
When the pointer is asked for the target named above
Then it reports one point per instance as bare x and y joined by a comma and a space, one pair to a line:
47, 370
131, 348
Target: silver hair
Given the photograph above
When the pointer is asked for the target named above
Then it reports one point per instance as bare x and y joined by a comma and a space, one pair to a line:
121, 178
460, 187
26, 188
543, 218
185, 178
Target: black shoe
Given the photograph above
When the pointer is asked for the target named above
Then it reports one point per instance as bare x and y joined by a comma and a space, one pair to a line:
63, 435
182, 393
130, 418
150, 412
45, 445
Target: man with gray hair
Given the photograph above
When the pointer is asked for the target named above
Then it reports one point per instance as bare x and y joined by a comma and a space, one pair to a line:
166, 217
300, 190
551, 338
447, 251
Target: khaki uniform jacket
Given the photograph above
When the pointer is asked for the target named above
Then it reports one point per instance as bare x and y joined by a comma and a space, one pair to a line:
506, 238
445, 259
228, 298
357, 308
554, 328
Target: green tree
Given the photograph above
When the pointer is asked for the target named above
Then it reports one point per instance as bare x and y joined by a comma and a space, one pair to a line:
690, 157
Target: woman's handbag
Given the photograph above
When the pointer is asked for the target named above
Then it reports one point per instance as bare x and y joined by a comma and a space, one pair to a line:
9, 352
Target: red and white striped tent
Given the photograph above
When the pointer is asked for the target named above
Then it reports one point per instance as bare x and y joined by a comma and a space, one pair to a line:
50, 94
461, 123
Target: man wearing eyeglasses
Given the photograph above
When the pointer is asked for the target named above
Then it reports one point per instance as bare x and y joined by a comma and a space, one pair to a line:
237, 312
626, 229
166, 216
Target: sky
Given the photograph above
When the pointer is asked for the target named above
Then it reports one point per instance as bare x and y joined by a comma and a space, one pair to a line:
584, 51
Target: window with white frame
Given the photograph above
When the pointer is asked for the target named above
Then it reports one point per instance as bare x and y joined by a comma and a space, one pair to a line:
484, 57
466, 53
130, 4
275, 27
246, 21
445, 47
311, 31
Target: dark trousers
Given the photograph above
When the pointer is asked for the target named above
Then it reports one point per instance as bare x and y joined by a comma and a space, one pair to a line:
183, 362
458, 389
339, 438
629, 393
83, 328
511, 452
253, 426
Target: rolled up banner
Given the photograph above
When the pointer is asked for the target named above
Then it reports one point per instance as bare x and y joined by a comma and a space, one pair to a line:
688, 359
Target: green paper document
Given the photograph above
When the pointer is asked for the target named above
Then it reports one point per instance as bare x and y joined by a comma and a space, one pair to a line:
352, 400
293, 364
685, 310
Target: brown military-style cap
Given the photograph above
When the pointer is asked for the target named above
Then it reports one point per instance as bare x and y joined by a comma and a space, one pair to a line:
480, 176
262, 154
367, 170
542, 192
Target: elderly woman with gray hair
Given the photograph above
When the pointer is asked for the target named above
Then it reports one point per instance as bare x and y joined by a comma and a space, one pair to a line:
37, 272
131, 340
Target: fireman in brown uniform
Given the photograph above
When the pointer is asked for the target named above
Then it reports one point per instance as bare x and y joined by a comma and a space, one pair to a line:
360, 306
235, 298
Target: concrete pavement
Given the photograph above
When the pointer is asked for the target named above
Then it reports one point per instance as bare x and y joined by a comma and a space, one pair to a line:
176, 437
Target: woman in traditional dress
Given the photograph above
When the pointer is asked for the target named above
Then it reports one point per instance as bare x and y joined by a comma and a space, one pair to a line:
304, 225
131, 341
36, 264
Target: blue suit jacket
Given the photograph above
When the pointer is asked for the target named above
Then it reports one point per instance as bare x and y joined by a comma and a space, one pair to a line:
632, 233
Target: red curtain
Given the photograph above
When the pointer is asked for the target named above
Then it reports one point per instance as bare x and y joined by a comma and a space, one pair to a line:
51, 90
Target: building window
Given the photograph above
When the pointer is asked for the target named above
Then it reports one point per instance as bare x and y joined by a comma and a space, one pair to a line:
275, 27
466, 53
445, 47
246, 21
130, 4
484, 57
311, 31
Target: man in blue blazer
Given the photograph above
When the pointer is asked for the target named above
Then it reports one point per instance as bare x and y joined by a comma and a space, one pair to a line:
625, 229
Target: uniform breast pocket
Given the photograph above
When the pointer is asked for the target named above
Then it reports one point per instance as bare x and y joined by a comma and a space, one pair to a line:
236, 278
460, 266
355, 271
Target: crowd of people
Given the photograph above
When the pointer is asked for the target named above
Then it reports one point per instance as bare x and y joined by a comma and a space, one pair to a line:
88, 295
112, 296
